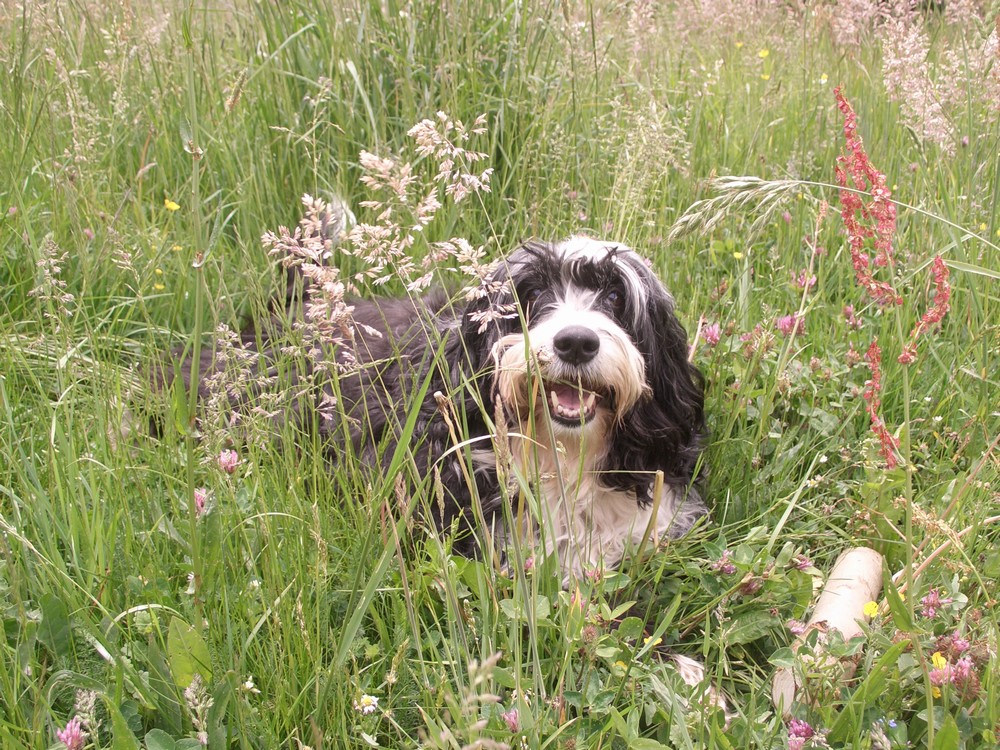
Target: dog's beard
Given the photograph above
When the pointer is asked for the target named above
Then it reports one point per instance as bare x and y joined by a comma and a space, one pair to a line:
531, 381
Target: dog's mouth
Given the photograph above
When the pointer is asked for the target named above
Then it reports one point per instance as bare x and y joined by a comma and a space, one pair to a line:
571, 404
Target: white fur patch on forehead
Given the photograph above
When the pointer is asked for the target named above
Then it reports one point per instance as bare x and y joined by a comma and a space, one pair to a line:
589, 248
639, 279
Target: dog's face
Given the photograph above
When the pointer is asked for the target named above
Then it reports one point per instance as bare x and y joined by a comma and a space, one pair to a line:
577, 361
597, 353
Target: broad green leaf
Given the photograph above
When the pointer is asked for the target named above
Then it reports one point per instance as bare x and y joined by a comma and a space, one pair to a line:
157, 739
187, 653
54, 630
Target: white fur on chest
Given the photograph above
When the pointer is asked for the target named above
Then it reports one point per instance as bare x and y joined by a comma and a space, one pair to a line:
590, 526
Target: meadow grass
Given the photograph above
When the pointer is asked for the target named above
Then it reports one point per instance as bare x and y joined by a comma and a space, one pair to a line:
145, 150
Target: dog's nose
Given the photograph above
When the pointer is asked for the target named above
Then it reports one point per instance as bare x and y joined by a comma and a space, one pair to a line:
576, 345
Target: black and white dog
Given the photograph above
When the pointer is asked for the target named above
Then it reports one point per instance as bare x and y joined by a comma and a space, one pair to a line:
577, 350
573, 355
567, 381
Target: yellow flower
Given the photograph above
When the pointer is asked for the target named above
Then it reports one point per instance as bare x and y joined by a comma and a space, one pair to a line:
738, 255
765, 76
158, 287
739, 45
647, 639
871, 609
823, 79
158, 271
998, 233
170, 205
763, 53
938, 661
935, 691
176, 248
982, 227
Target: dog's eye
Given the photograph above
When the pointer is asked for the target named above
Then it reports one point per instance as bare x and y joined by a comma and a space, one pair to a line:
616, 300
531, 296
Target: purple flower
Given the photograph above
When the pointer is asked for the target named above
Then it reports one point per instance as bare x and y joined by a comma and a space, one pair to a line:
200, 498
799, 733
796, 627
512, 720
802, 562
712, 333
932, 602
724, 564
228, 461
73, 736
790, 325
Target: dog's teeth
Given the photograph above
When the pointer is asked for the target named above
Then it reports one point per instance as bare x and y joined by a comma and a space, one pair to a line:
555, 400
591, 398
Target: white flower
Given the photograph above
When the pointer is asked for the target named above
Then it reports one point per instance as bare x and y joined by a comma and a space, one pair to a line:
366, 705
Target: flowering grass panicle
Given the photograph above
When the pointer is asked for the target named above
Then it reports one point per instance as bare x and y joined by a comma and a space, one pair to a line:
50, 288
328, 318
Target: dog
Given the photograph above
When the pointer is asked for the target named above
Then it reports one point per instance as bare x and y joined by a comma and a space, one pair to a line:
565, 380
572, 353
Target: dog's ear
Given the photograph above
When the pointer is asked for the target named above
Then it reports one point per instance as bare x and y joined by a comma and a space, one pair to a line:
663, 431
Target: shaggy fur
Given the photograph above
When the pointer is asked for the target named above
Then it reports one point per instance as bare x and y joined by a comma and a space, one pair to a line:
581, 360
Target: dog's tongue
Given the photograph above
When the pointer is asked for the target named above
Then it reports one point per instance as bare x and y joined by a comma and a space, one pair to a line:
567, 395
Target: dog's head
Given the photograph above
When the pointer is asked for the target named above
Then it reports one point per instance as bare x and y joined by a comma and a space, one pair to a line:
593, 356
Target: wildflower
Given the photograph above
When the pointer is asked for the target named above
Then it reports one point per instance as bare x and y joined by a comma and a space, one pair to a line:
870, 609
170, 205
873, 388
804, 280
799, 733
763, 53
938, 661
250, 687
198, 703
932, 602
802, 562
751, 586
952, 645
529, 564
790, 325
366, 704
12, 211
200, 499
712, 333
738, 255
511, 719
228, 461
765, 76
73, 736
853, 357
856, 168
796, 627
594, 575
786, 217
962, 670
724, 564
88, 233
942, 302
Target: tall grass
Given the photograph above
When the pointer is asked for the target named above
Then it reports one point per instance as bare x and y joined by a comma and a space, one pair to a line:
145, 150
